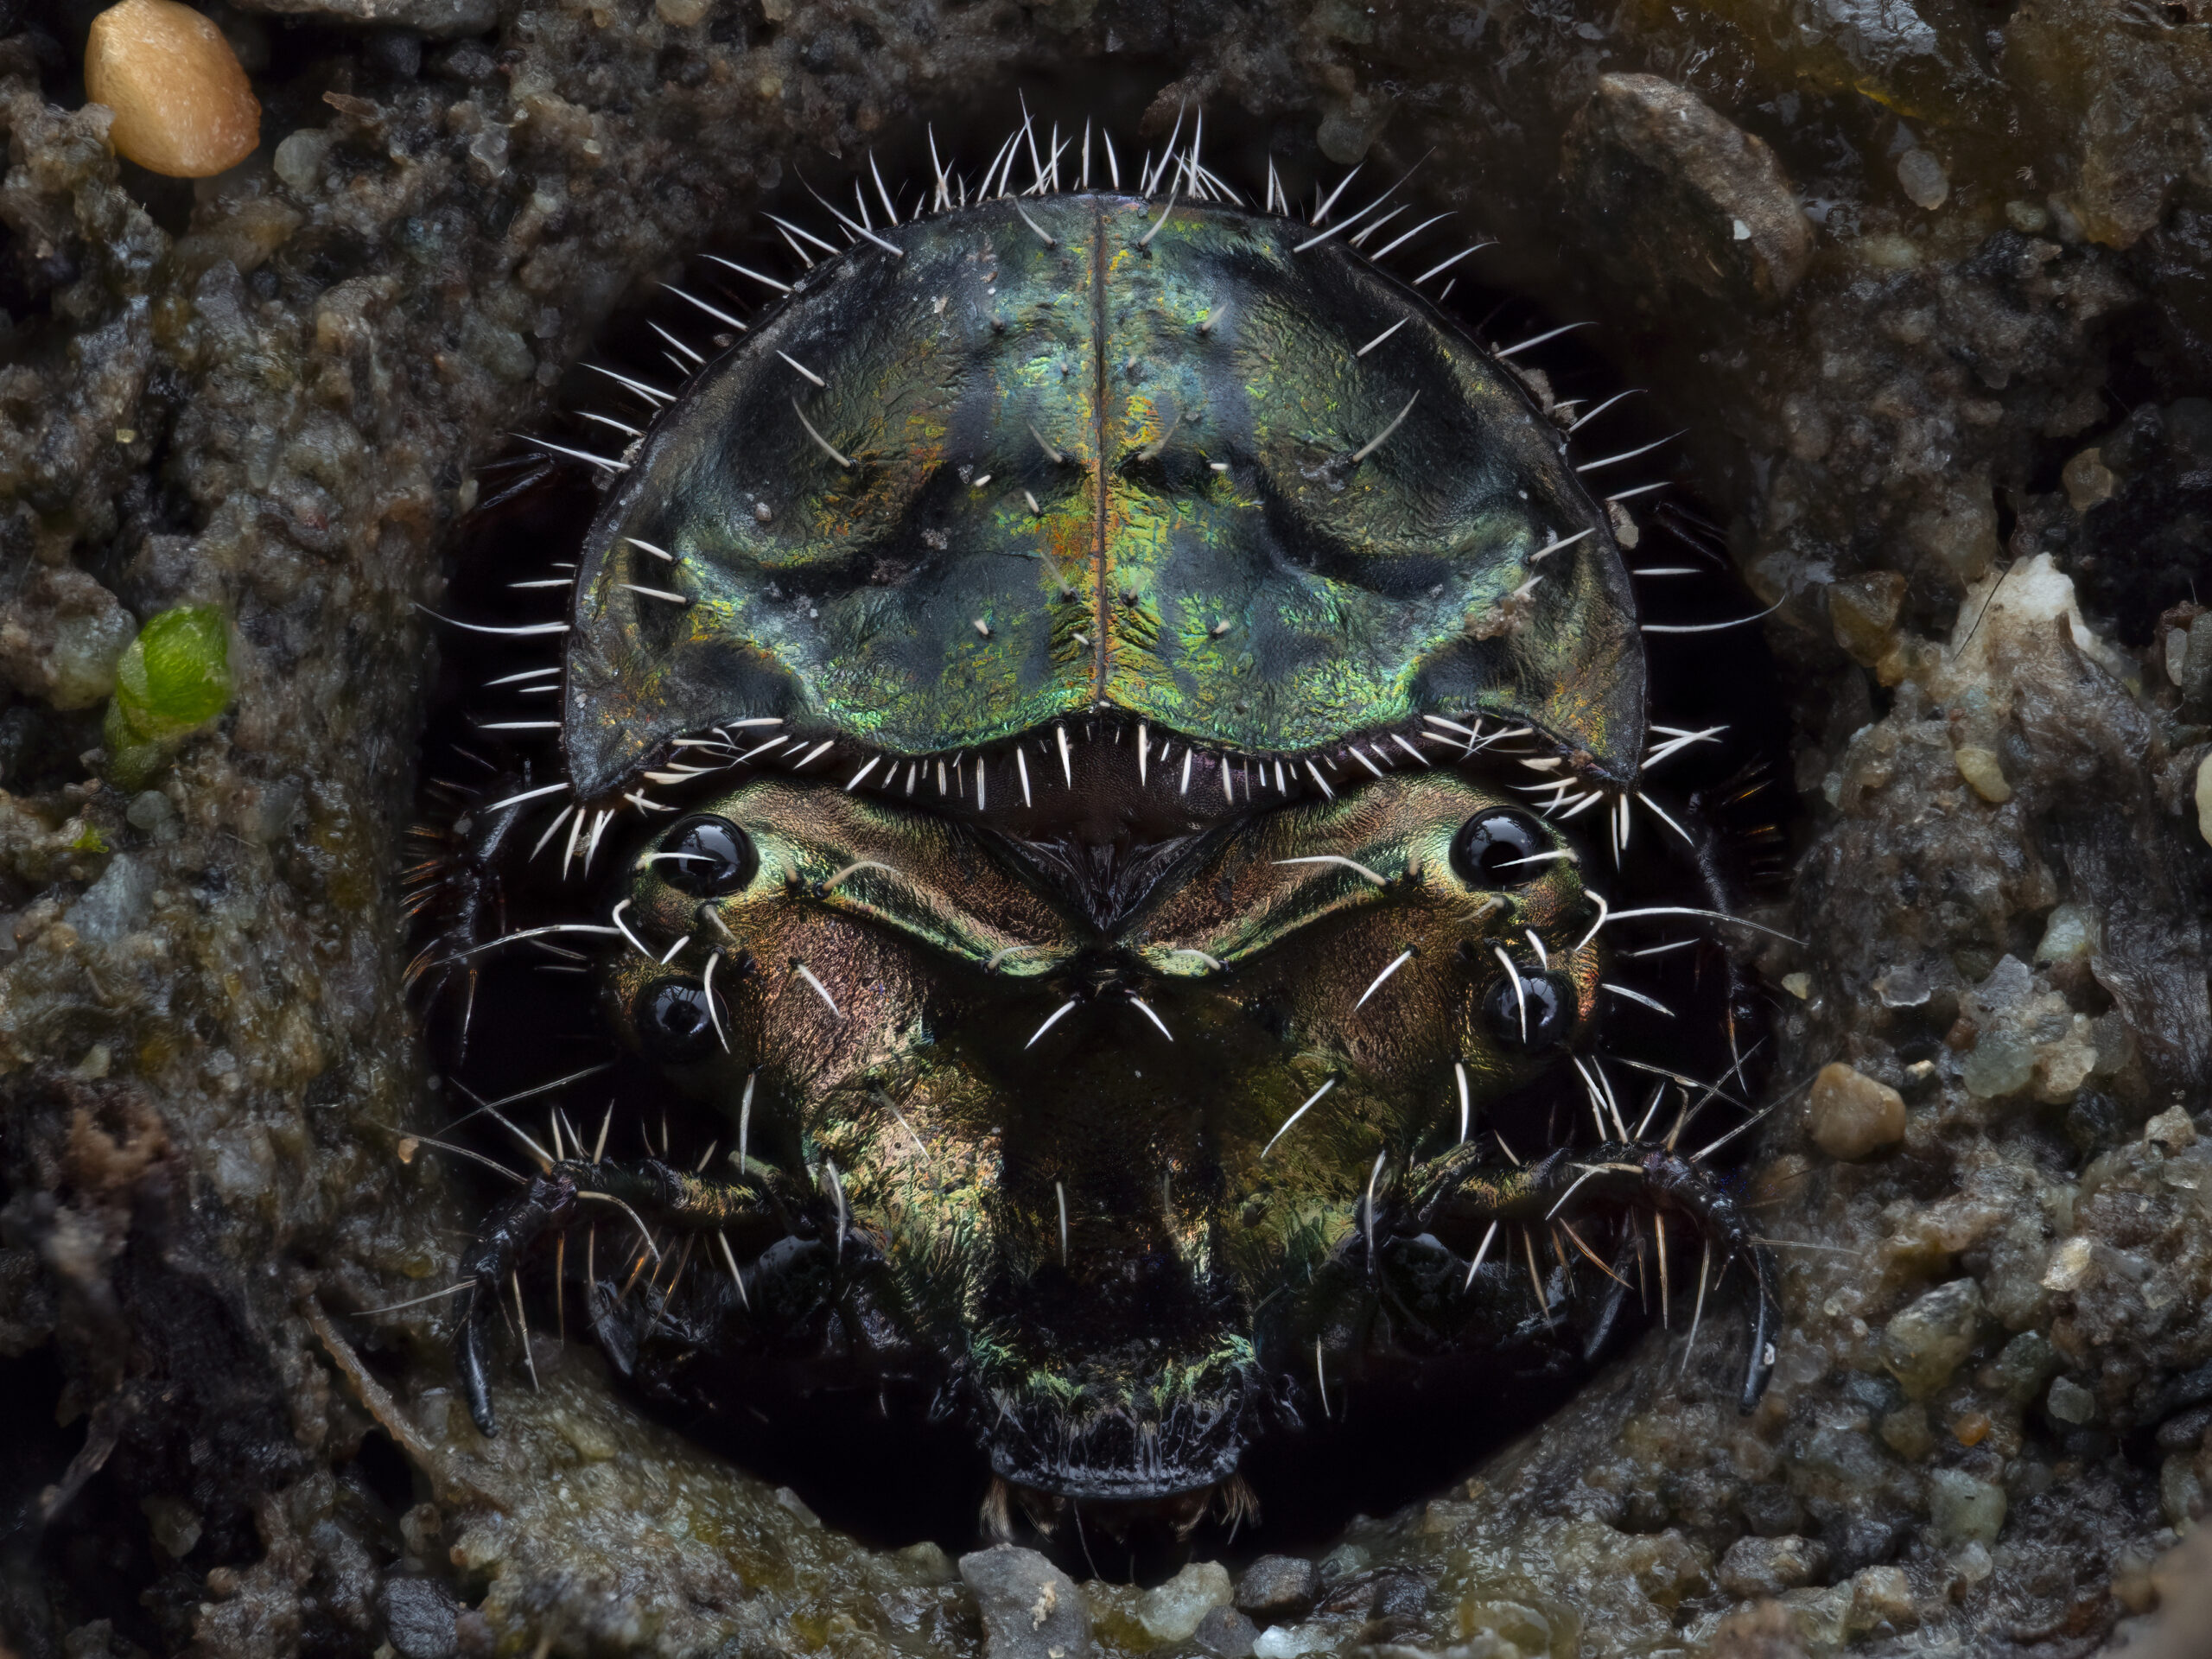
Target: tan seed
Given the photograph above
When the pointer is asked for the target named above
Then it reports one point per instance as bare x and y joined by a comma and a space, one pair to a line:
182, 106
1853, 1115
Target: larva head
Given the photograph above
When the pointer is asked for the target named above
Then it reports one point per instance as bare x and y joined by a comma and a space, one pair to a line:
1024, 462
1092, 1123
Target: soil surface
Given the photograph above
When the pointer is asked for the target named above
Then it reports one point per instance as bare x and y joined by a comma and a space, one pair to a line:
1929, 288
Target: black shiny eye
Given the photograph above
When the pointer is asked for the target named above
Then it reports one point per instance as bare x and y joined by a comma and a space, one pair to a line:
1491, 847
706, 857
1540, 1016
673, 1020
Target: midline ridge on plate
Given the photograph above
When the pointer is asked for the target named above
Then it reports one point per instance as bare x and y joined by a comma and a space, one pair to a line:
1283, 776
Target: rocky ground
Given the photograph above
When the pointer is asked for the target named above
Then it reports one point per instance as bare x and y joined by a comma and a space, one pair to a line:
1930, 289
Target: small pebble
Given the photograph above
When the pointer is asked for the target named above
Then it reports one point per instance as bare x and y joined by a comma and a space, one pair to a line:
1766, 1567
1227, 1633
175, 1523
929, 1561
2070, 935
1923, 179
2070, 1266
182, 106
1276, 1587
2172, 1129
2181, 1494
2070, 1402
2204, 798
1173, 1612
2022, 1365
1863, 611
1983, 774
1904, 1431
2001, 1063
1879, 1596
418, 1615
1341, 1563
301, 157
1931, 1336
2088, 480
1853, 1115
148, 811
396, 52
1822, 1615
1963, 1509
1289, 1640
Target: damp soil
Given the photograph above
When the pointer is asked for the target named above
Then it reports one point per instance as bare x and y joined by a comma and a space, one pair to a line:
1928, 289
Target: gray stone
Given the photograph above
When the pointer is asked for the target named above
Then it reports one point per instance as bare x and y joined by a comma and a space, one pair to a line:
1031, 1609
114, 905
2070, 1402
60, 634
2023, 1363
1227, 1633
418, 1617
1276, 1587
1400, 1595
149, 810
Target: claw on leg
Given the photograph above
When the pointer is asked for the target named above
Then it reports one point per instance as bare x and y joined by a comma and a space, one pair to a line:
646, 1196
547, 1205
1467, 1199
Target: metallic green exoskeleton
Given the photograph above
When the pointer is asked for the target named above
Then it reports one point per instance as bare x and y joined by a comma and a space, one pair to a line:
1031, 466
1068, 656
